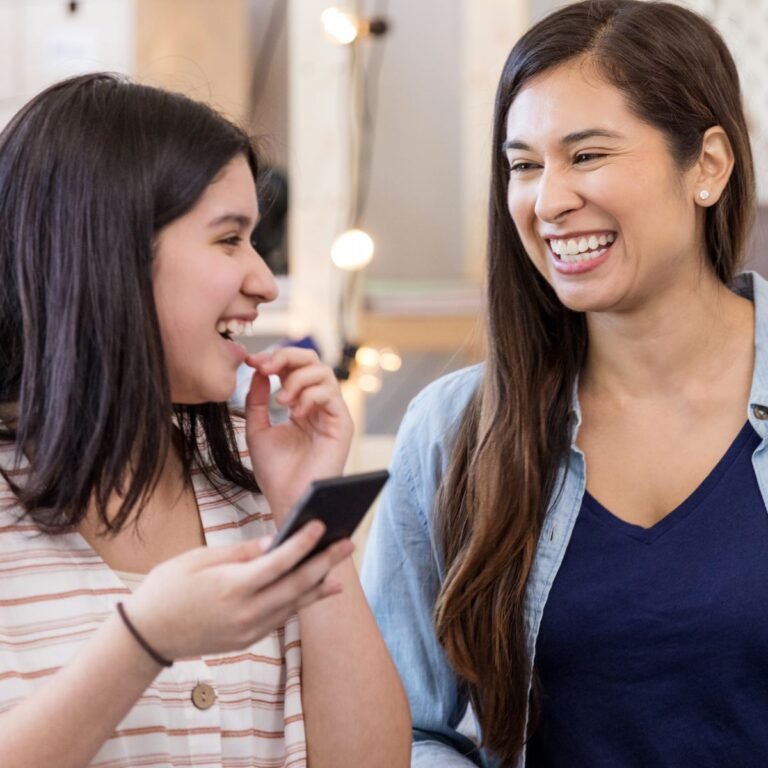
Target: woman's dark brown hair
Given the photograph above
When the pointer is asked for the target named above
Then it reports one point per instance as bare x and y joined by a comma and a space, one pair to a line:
90, 171
676, 74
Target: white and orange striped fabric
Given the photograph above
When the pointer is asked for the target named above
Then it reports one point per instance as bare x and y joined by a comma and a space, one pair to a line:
54, 593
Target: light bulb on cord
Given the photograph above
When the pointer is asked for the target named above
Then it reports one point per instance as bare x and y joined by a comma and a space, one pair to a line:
389, 360
369, 383
342, 27
367, 357
352, 250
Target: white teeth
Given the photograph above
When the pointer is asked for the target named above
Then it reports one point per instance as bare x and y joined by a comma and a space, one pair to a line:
572, 259
580, 249
236, 327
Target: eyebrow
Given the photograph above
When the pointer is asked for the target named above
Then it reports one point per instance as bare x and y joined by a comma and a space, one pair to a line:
568, 139
239, 219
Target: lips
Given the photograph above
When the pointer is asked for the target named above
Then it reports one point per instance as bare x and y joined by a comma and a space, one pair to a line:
235, 349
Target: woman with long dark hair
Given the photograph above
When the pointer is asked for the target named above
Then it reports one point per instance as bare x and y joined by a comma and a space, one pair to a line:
142, 621
574, 538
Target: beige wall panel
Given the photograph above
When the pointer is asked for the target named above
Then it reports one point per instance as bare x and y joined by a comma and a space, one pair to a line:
198, 47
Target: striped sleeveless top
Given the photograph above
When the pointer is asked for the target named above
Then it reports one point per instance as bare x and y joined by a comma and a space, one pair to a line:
54, 593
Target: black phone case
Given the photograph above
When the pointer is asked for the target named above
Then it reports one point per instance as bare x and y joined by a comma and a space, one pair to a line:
340, 502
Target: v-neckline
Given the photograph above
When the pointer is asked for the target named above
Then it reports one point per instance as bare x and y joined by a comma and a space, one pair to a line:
682, 510
112, 572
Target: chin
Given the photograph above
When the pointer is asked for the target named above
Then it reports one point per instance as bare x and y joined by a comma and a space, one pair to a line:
220, 392
586, 300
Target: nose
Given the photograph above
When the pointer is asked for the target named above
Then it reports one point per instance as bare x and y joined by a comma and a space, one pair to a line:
556, 195
258, 281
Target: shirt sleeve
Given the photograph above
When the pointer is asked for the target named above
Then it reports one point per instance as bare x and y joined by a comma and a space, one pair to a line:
401, 577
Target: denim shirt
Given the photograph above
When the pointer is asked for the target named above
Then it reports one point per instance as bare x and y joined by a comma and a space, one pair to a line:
403, 566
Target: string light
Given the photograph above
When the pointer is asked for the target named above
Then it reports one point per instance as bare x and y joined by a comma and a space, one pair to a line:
370, 383
367, 357
340, 26
389, 360
343, 27
352, 250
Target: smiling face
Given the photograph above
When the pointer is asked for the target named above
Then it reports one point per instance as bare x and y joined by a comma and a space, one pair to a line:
208, 283
602, 209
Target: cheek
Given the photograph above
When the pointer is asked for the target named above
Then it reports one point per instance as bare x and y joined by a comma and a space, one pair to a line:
521, 207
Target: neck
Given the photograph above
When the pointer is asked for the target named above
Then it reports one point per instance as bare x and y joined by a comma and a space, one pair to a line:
170, 487
686, 338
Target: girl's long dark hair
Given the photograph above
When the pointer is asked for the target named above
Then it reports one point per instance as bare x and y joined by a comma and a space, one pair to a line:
676, 74
90, 171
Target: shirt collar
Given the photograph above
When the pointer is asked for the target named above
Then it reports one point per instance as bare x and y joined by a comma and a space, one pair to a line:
754, 287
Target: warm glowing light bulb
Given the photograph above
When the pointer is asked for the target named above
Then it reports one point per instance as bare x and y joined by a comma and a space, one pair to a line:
367, 357
340, 26
389, 360
369, 383
352, 250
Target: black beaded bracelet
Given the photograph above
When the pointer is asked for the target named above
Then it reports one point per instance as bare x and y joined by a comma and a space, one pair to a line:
140, 640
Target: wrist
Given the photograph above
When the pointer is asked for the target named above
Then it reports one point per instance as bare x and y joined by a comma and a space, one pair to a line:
142, 642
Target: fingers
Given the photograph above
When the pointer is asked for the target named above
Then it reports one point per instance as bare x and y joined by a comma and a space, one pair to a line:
278, 568
257, 401
273, 565
306, 383
285, 357
305, 585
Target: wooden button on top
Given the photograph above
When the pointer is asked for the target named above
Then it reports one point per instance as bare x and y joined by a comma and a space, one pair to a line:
760, 411
203, 696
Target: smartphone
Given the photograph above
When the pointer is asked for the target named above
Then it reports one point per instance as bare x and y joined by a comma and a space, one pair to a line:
340, 502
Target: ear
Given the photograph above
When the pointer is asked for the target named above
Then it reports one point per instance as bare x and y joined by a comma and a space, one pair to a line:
713, 168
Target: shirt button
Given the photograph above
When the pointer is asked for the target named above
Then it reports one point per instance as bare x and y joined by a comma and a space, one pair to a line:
203, 696
760, 411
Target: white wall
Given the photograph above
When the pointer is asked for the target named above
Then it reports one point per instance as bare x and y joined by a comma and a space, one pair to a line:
413, 208
42, 41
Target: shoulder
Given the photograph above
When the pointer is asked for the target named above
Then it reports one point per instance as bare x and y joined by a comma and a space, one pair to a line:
426, 435
436, 412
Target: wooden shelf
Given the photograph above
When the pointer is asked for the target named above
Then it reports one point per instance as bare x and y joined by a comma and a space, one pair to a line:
424, 332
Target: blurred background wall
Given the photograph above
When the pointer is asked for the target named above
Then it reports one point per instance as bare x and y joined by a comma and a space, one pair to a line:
396, 127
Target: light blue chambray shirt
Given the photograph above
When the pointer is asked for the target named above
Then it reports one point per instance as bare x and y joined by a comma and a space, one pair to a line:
403, 568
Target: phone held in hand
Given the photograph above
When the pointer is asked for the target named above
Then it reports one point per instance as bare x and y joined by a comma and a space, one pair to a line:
339, 502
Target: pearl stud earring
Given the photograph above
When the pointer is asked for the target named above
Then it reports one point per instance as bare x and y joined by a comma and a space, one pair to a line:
704, 194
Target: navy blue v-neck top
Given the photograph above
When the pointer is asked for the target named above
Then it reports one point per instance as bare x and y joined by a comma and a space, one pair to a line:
653, 648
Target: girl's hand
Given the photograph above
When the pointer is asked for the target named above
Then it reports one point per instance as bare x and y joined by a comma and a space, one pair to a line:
221, 599
315, 442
